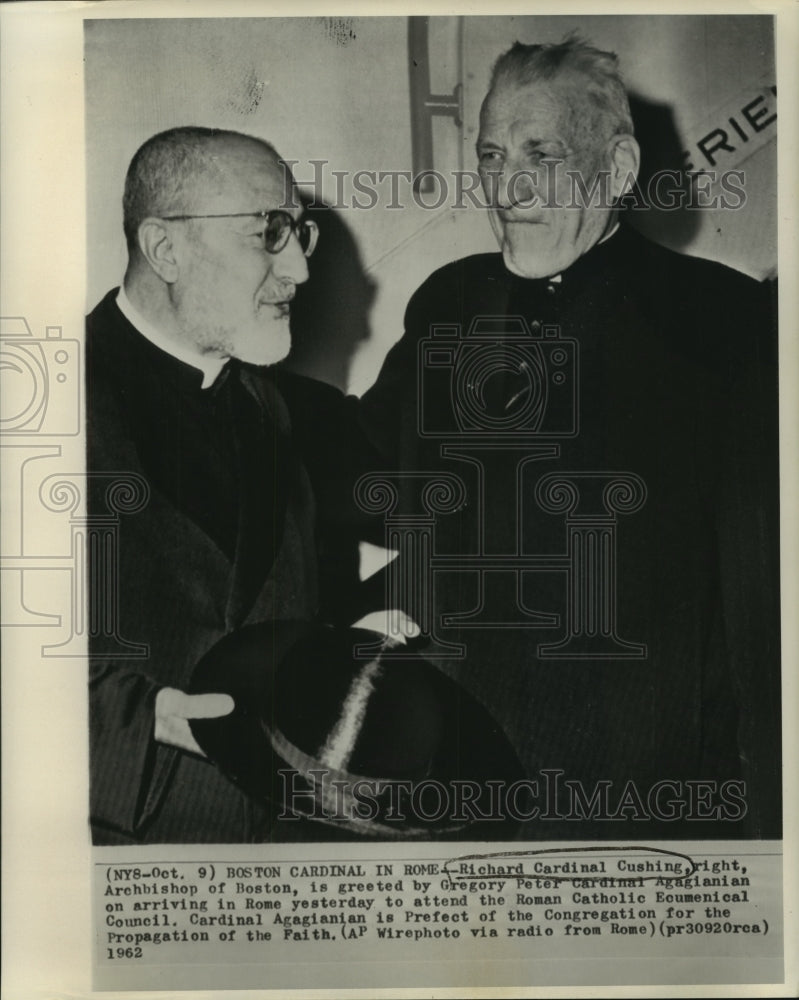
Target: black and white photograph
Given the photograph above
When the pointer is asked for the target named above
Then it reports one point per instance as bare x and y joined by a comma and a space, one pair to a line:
568, 456
407, 516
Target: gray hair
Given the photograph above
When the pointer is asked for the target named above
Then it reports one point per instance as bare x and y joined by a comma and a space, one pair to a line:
604, 87
167, 169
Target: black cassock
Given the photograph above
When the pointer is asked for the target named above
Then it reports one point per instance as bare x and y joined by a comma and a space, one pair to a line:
612, 569
226, 538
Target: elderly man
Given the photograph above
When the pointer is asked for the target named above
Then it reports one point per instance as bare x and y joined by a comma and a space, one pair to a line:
182, 408
608, 587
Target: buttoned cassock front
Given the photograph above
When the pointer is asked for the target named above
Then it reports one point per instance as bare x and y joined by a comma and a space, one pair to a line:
675, 380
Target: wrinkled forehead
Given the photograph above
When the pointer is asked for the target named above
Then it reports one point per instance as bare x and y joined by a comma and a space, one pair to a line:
558, 108
242, 175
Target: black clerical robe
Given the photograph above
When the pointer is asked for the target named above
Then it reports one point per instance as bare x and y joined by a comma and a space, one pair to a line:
224, 538
638, 371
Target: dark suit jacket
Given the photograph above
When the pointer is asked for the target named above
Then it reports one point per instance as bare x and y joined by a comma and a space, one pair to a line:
669, 364
225, 539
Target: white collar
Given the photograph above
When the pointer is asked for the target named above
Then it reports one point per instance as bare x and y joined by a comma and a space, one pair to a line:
607, 236
205, 363
557, 278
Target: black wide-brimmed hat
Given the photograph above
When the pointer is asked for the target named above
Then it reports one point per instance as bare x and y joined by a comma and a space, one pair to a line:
384, 747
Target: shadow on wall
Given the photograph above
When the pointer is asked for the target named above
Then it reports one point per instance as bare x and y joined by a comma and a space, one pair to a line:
662, 150
330, 315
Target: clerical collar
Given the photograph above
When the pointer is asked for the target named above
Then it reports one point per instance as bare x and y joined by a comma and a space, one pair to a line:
607, 236
557, 278
209, 366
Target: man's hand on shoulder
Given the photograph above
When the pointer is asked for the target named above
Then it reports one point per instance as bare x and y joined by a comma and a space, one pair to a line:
174, 708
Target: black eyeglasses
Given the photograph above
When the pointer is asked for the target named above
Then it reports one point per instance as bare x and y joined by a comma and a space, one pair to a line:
279, 227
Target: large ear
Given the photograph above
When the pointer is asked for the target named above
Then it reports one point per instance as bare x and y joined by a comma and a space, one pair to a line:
625, 159
157, 248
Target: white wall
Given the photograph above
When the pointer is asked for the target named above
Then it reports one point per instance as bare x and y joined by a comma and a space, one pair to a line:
337, 89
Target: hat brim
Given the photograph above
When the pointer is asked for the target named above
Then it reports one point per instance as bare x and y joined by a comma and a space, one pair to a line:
423, 756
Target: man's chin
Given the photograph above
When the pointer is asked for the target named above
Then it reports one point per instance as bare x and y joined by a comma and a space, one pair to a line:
537, 262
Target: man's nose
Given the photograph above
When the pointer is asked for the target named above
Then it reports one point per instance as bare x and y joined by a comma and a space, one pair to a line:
291, 264
517, 184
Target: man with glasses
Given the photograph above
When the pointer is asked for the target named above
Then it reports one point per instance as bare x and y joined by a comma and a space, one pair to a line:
182, 409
